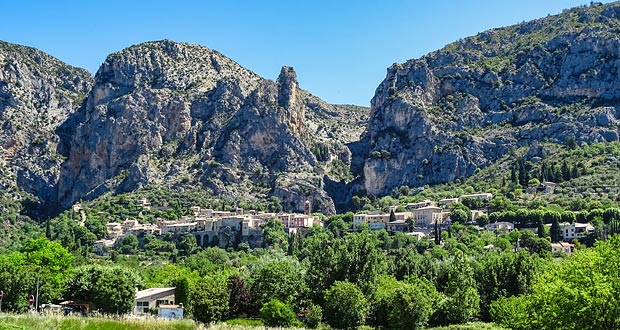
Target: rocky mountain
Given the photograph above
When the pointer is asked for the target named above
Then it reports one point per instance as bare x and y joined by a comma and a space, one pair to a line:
451, 112
180, 114
37, 93
183, 115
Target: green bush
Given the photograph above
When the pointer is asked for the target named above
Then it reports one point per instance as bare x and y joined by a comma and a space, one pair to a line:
314, 316
345, 306
277, 314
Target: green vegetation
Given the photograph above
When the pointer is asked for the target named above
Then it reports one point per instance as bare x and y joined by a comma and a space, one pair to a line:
52, 322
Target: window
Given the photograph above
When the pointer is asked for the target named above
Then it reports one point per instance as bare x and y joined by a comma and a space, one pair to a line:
143, 306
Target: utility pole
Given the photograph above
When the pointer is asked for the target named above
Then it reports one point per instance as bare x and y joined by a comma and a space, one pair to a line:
36, 299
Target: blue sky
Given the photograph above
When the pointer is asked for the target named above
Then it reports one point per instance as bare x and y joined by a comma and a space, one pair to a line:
340, 49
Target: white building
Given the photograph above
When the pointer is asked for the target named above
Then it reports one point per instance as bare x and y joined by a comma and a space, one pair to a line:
153, 298
375, 219
427, 216
571, 231
502, 225
446, 202
482, 196
419, 205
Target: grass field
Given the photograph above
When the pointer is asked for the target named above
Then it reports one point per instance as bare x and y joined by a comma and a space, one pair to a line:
57, 322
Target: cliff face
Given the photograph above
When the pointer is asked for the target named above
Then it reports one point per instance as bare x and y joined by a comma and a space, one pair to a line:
173, 113
37, 93
442, 116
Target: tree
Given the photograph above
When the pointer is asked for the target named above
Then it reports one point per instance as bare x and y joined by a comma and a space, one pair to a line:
355, 259
50, 262
459, 216
187, 244
461, 302
345, 306
437, 234
240, 297
582, 292
392, 215
274, 204
460, 213
116, 291
129, 244
274, 235
18, 282
278, 279
473, 203
556, 230
505, 275
534, 244
412, 305
482, 220
402, 305
209, 297
277, 314
112, 289
314, 316
611, 214
381, 301
565, 170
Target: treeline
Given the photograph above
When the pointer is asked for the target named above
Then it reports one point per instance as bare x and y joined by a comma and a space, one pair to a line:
340, 278
522, 172
344, 279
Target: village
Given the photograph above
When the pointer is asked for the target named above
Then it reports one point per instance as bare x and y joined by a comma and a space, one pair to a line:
223, 228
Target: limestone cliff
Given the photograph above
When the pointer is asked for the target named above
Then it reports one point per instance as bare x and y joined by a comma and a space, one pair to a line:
182, 114
448, 113
37, 93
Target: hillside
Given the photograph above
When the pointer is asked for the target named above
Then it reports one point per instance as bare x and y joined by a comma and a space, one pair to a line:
185, 115
452, 112
37, 93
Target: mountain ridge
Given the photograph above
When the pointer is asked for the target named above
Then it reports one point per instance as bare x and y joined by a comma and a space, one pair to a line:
184, 115
452, 111
159, 102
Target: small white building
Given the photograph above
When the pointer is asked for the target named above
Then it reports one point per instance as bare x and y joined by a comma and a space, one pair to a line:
482, 196
418, 234
419, 205
153, 298
501, 225
446, 202
102, 246
571, 231
567, 248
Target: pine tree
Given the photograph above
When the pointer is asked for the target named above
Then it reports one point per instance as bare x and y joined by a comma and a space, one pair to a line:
556, 231
48, 230
574, 171
565, 171
544, 171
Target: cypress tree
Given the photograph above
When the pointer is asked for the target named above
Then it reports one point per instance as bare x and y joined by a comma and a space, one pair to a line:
437, 234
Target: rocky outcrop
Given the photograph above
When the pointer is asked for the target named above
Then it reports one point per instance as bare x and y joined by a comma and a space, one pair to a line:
443, 116
37, 93
182, 114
